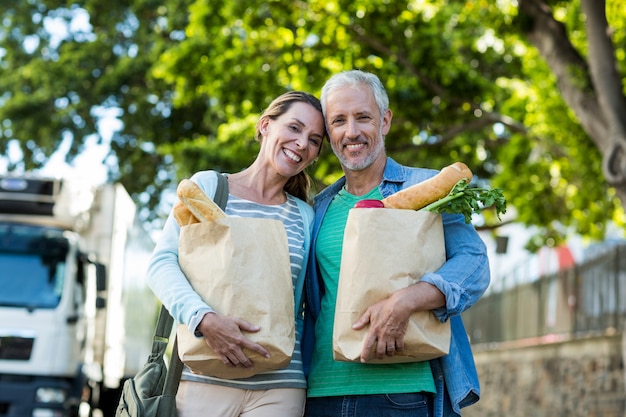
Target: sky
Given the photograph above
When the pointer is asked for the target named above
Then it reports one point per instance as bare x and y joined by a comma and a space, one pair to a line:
88, 167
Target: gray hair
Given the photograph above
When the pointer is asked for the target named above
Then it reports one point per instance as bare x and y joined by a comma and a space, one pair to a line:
356, 77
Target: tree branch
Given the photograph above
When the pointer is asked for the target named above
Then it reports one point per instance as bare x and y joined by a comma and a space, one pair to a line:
386, 51
572, 73
487, 118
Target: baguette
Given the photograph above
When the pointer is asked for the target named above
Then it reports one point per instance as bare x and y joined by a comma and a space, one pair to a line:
199, 204
435, 188
183, 215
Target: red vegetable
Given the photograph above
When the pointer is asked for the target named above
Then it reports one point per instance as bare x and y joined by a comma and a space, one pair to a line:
369, 204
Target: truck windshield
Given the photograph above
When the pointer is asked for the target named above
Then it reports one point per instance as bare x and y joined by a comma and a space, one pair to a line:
32, 265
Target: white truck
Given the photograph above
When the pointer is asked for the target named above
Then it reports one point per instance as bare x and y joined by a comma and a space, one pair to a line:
76, 318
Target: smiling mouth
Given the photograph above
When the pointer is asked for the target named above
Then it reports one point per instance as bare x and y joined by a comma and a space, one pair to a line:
291, 155
355, 146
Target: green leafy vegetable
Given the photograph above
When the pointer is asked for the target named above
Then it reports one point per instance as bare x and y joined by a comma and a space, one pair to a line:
467, 200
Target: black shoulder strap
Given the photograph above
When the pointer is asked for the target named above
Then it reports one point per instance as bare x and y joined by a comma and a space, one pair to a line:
165, 322
175, 369
221, 193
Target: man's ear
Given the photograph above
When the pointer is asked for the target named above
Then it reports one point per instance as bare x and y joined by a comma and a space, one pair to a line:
386, 121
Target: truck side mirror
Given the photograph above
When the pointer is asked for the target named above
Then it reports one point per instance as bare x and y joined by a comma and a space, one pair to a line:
101, 277
100, 303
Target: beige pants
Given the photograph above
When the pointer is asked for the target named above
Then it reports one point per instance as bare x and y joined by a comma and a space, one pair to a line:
195, 399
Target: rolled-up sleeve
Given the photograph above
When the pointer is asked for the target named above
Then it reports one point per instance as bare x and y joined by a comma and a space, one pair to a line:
465, 275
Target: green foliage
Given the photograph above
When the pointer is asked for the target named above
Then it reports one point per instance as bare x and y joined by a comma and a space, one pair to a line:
188, 79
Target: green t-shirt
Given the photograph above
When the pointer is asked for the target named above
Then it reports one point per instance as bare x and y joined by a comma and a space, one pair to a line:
328, 377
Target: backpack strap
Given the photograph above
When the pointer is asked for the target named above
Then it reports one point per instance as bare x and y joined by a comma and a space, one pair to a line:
221, 193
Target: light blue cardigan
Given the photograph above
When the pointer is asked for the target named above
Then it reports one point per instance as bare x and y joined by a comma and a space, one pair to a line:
170, 285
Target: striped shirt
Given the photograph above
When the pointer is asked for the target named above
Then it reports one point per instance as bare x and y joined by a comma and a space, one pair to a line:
293, 375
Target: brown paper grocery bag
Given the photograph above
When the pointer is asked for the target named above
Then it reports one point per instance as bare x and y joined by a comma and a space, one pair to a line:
385, 250
240, 267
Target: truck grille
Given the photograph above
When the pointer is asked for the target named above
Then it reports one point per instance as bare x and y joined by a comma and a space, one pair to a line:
16, 348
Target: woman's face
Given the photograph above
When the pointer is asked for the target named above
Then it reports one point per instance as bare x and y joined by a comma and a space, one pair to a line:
292, 141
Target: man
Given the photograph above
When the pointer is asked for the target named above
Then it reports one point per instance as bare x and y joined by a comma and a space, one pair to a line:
357, 116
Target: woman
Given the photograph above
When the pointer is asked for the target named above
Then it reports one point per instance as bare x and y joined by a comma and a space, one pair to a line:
291, 132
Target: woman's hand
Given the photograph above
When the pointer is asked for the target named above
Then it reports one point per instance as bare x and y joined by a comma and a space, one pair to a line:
223, 334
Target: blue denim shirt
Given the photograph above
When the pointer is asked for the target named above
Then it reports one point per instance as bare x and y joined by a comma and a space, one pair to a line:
462, 279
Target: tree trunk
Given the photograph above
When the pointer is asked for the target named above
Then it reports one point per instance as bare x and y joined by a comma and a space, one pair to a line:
608, 86
599, 102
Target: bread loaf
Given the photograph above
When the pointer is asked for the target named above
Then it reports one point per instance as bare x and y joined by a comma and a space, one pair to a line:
183, 215
199, 204
435, 188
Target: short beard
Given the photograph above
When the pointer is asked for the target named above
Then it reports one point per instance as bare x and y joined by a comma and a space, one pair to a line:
364, 163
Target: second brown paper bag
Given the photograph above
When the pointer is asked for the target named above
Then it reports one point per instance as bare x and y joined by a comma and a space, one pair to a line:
385, 250
240, 267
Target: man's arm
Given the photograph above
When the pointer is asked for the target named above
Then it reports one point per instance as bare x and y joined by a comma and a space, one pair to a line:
452, 289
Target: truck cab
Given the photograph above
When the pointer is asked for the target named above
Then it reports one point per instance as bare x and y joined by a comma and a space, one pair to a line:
58, 300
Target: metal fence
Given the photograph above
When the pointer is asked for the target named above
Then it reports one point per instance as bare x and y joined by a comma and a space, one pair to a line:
587, 298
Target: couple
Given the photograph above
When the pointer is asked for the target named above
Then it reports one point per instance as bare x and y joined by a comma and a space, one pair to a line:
354, 111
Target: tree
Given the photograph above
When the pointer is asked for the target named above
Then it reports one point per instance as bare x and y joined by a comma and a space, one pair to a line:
529, 96
587, 74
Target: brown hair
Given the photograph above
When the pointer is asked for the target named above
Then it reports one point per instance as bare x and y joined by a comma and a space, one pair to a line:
300, 184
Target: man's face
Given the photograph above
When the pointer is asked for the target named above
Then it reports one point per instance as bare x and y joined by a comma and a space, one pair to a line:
355, 126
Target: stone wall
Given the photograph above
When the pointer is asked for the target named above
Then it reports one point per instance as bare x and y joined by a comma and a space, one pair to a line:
574, 378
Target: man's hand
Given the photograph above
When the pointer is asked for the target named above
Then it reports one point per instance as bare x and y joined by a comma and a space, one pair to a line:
389, 318
223, 334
